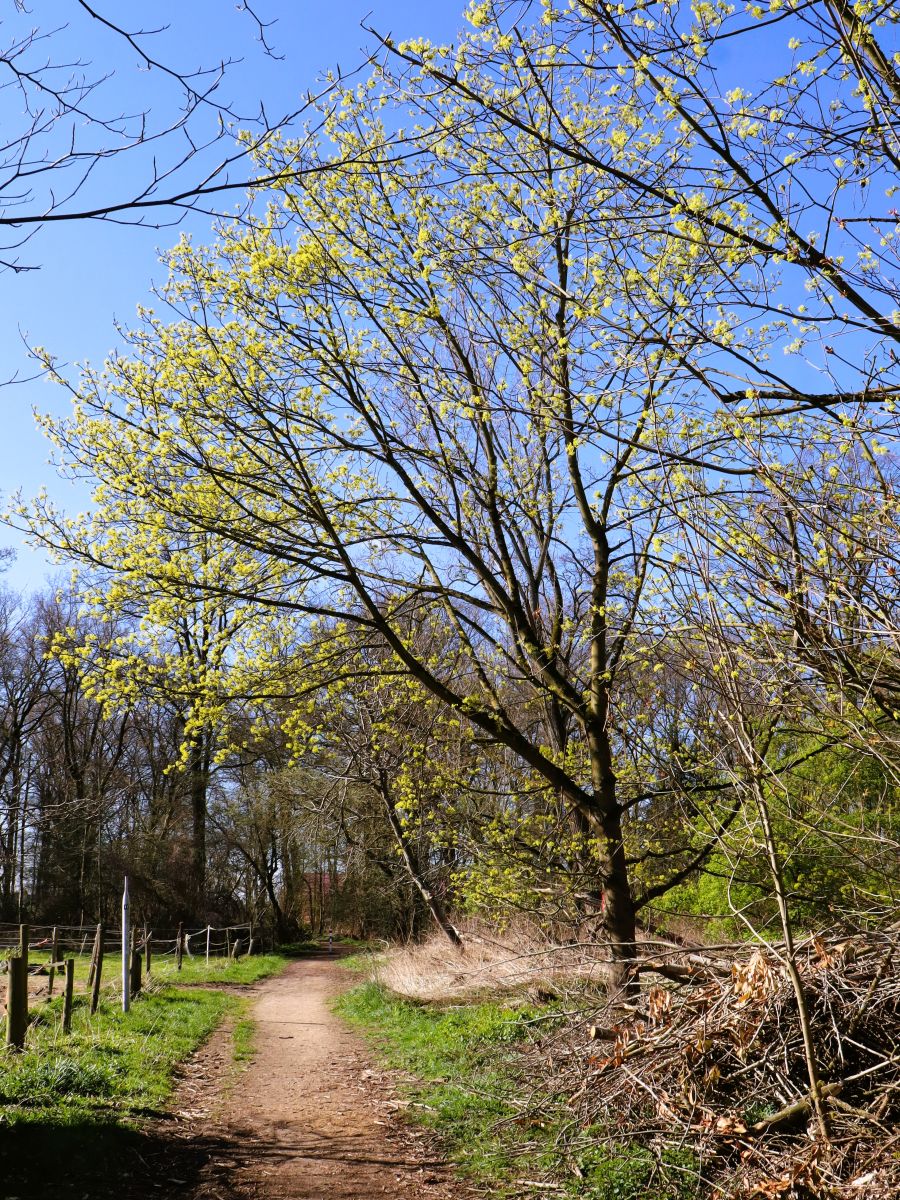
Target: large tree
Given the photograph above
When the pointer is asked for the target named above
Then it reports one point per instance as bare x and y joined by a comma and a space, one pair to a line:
426, 391
508, 368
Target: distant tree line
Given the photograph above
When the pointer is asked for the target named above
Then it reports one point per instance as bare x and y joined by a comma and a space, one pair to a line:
90, 792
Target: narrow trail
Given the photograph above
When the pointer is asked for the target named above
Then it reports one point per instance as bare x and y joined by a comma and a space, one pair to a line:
309, 1118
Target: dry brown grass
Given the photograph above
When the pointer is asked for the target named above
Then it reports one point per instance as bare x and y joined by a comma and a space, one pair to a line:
518, 959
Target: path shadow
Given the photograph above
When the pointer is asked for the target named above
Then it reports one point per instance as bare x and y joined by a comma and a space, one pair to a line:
91, 1161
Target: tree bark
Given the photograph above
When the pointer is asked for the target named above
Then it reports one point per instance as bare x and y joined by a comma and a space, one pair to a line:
619, 911
199, 787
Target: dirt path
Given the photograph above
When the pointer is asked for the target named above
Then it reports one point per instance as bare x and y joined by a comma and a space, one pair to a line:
309, 1117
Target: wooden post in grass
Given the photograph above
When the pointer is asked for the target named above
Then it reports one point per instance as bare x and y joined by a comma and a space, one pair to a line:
208, 931
179, 945
98, 972
94, 953
126, 948
70, 990
227, 942
136, 963
16, 1012
54, 959
24, 932
251, 947
148, 953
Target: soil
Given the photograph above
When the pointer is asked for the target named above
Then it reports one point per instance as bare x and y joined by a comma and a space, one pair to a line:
309, 1117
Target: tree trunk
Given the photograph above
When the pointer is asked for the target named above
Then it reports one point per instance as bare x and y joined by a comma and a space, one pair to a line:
282, 933
619, 911
619, 914
410, 859
199, 786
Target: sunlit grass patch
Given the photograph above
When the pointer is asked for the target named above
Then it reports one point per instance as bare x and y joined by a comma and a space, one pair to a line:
113, 1064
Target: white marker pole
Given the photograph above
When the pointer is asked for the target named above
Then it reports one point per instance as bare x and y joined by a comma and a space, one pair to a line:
126, 965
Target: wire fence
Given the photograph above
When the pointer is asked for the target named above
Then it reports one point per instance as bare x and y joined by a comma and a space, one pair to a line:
29, 951
209, 941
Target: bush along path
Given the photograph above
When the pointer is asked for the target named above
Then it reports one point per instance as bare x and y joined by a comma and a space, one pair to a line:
281, 1100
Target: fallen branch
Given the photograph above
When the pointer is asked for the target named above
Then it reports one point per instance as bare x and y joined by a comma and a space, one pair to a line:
785, 1115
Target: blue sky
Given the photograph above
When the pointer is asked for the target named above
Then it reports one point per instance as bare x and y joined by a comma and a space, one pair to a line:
90, 274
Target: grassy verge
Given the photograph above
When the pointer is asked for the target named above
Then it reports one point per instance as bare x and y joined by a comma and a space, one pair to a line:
220, 970
469, 1083
113, 1065
72, 1106
362, 962
464, 1063
193, 970
242, 1038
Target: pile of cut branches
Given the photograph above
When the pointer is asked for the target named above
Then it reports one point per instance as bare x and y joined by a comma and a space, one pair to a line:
712, 1060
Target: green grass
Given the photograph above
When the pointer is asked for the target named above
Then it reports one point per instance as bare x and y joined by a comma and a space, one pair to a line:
112, 969
362, 961
220, 970
464, 1060
193, 970
80, 1099
242, 1039
113, 1065
469, 1077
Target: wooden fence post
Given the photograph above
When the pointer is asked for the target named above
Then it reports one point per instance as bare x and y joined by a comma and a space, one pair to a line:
16, 1012
54, 959
94, 951
126, 947
148, 954
136, 964
24, 933
179, 945
98, 972
70, 989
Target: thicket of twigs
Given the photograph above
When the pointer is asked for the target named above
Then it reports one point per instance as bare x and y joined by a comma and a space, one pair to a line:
711, 1059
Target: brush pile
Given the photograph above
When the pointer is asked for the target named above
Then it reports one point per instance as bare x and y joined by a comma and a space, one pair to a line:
712, 1060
